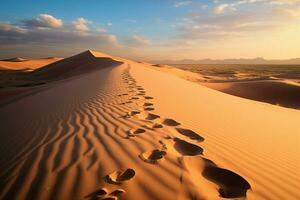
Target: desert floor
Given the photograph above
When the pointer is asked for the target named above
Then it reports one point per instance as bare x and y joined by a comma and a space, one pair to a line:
111, 128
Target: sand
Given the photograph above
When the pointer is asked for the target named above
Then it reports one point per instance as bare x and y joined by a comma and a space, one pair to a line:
281, 92
25, 64
124, 130
282, 89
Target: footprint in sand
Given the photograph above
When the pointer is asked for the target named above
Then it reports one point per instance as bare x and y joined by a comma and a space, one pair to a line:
130, 114
153, 156
148, 104
134, 98
148, 97
118, 177
187, 149
101, 193
134, 132
104, 195
147, 116
148, 109
231, 185
153, 126
170, 122
157, 125
190, 134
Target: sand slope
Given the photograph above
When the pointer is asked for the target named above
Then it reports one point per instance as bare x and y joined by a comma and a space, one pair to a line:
23, 64
131, 132
280, 93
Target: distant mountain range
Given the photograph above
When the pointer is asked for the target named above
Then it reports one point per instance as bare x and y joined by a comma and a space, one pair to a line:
293, 61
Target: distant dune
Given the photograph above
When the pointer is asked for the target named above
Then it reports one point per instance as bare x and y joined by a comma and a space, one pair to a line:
94, 126
274, 92
25, 64
76, 65
293, 61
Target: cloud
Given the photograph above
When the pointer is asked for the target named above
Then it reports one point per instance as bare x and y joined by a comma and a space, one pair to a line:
12, 30
80, 24
284, 2
47, 33
181, 3
44, 21
237, 24
137, 41
222, 8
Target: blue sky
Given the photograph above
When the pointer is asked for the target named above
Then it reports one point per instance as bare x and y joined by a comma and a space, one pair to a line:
151, 29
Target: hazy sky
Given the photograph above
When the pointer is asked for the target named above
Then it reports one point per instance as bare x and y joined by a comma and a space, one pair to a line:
151, 29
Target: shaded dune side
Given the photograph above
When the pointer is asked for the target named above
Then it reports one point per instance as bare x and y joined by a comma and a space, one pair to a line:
274, 92
76, 65
67, 139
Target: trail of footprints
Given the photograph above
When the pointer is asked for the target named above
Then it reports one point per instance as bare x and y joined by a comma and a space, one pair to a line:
231, 185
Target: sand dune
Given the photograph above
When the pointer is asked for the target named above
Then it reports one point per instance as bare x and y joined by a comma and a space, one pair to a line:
87, 135
25, 64
76, 65
275, 92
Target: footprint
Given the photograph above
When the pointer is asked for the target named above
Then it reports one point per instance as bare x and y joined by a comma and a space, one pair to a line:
148, 116
135, 112
170, 122
134, 97
118, 177
153, 156
187, 149
133, 133
190, 134
231, 184
101, 193
153, 126
118, 192
148, 97
130, 114
148, 104
157, 126
148, 109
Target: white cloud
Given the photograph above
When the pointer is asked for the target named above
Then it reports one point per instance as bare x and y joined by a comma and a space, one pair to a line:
44, 21
222, 8
238, 23
181, 3
80, 24
11, 29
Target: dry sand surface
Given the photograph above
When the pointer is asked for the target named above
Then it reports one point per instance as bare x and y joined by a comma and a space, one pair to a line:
118, 129
279, 92
282, 89
23, 64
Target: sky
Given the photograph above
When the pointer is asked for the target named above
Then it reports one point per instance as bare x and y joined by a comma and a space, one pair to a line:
151, 29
